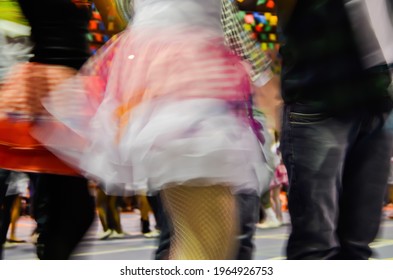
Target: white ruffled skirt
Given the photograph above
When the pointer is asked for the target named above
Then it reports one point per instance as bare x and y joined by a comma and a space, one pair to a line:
150, 111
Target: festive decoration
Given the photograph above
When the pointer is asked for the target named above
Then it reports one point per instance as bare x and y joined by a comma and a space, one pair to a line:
257, 5
260, 18
99, 33
262, 21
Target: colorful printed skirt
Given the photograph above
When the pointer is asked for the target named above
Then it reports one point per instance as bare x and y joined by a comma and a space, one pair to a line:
20, 110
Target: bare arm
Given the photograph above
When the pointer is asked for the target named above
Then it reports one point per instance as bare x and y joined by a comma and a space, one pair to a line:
241, 43
266, 85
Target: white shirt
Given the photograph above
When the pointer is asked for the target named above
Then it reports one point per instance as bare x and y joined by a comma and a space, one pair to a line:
372, 24
192, 13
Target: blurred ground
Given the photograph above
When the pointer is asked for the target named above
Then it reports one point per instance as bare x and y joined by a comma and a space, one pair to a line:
270, 243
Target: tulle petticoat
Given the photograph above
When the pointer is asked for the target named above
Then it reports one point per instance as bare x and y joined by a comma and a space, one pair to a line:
152, 109
201, 140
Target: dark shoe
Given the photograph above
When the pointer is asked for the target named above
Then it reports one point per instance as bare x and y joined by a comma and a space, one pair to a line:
16, 241
145, 225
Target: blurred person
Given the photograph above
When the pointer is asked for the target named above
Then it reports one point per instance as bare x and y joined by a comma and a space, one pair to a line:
239, 41
390, 189
266, 89
267, 217
14, 47
16, 184
17, 189
280, 179
144, 207
155, 204
58, 30
334, 144
15, 215
4, 174
174, 109
109, 214
270, 201
247, 204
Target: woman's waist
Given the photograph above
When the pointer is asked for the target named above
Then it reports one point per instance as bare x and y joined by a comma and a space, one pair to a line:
190, 107
165, 32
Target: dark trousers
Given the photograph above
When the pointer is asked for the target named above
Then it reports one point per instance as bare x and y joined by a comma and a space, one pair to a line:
248, 206
69, 211
157, 208
39, 202
3, 223
5, 216
338, 168
3, 185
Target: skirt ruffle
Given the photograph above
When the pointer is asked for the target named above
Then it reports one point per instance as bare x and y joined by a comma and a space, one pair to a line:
20, 108
152, 109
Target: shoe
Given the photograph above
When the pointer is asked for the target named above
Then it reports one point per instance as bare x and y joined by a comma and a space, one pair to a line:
269, 224
105, 234
8, 245
145, 226
115, 235
34, 238
16, 240
271, 220
153, 234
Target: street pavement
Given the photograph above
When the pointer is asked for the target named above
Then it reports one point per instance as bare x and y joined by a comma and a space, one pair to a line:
270, 243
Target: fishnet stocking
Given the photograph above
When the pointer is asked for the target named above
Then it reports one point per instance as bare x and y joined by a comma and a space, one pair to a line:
205, 222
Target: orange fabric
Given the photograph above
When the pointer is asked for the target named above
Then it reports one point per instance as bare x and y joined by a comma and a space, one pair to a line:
123, 113
21, 152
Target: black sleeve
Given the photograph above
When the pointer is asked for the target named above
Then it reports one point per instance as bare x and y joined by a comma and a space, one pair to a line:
58, 31
285, 10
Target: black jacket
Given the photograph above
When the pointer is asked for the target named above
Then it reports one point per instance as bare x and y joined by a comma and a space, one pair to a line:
322, 64
59, 30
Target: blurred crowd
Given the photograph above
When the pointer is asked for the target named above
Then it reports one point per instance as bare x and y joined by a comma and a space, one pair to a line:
180, 115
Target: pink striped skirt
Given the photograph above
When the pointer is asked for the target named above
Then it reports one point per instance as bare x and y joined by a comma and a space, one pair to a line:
152, 109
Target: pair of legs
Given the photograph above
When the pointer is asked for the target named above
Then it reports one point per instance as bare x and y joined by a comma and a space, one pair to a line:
10, 212
67, 209
276, 202
15, 206
270, 212
108, 212
4, 221
144, 207
338, 168
390, 197
5, 216
204, 220
390, 193
241, 210
155, 203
